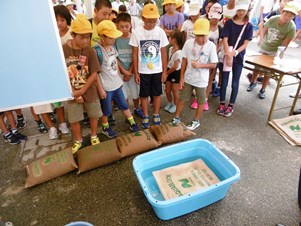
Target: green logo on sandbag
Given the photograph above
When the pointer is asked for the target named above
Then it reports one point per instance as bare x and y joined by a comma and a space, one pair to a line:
185, 183
293, 128
48, 160
137, 134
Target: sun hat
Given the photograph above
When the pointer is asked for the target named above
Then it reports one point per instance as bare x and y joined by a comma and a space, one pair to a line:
215, 11
108, 28
69, 2
169, 2
291, 7
242, 5
194, 8
81, 25
150, 11
179, 3
201, 26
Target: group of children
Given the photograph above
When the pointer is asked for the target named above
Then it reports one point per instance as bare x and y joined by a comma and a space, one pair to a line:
106, 60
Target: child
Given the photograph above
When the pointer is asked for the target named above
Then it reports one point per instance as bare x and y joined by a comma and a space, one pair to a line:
110, 76
149, 61
199, 55
83, 67
12, 136
173, 71
194, 14
125, 60
233, 28
102, 11
278, 30
171, 20
63, 20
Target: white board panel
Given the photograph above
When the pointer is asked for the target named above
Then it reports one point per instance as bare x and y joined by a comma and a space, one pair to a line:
32, 63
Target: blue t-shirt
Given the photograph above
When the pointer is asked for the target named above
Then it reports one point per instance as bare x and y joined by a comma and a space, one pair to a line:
125, 52
232, 30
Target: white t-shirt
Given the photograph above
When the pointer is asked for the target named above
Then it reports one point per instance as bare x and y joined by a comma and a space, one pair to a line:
268, 6
66, 37
149, 43
214, 36
110, 78
203, 54
173, 57
188, 28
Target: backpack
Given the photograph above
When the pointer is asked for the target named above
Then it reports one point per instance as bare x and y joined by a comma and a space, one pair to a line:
99, 53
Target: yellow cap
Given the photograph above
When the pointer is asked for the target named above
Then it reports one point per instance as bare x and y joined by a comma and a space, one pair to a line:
108, 28
169, 2
179, 3
150, 11
201, 26
81, 25
291, 7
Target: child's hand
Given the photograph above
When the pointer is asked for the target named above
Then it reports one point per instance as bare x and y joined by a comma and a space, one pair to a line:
195, 64
126, 78
229, 61
103, 94
137, 79
164, 77
80, 100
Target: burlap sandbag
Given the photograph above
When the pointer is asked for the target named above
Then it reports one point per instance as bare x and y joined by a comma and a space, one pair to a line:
170, 133
98, 155
49, 167
133, 143
184, 178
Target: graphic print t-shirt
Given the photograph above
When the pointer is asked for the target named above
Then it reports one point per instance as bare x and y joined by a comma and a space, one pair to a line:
149, 43
81, 63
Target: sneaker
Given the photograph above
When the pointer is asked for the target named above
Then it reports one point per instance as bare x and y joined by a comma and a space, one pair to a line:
221, 110
156, 120
9, 138
168, 106
228, 111
21, 122
206, 106
293, 45
193, 124
111, 120
19, 135
292, 95
76, 146
175, 120
52, 133
251, 86
194, 104
172, 109
216, 92
94, 140
261, 94
63, 128
52, 117
109, 132
42, 128
134, 127
145, 122
138, 112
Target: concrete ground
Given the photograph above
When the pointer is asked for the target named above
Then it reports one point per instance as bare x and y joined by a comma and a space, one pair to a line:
265, 195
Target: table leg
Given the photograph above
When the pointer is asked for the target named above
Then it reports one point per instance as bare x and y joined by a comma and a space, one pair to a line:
296, 97
275, 96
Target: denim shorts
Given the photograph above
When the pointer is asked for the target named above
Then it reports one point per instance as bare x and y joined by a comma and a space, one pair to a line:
119, 99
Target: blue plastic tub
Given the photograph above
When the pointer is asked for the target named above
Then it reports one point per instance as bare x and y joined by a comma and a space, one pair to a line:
176, 154
79, 223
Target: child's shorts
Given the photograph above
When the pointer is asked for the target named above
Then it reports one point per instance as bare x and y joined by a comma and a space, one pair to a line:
150, 85
119, 99
186, 92
76, 110
174, 77
132, 87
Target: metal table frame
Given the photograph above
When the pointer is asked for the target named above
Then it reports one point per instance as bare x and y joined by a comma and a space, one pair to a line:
263, 64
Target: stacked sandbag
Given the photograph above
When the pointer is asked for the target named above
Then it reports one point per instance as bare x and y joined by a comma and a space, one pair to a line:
49, 167
137, 142
170, 133
98, 155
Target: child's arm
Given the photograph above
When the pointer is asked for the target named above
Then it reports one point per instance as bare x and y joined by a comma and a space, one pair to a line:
127, 74
101, 91
164, 63
182, 72
196, 64
174, 67
135, 64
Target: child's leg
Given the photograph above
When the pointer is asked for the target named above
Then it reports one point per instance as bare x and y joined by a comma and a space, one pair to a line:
13, 126
175, 92
211, 77
47, 119
144, 105
184, 96
180, 106
60, 113
93, 126
106, 108
201, 96
156, 104
2, 124
168, 91
76, 131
